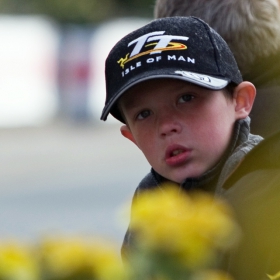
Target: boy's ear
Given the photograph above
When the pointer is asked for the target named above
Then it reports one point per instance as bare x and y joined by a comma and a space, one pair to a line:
244, 96
125, 131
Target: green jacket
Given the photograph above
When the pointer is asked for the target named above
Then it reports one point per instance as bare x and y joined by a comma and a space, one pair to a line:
253, 190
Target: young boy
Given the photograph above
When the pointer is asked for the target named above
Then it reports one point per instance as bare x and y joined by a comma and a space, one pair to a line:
176, 86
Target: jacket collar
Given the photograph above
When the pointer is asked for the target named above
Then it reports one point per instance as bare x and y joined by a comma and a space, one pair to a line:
266, 155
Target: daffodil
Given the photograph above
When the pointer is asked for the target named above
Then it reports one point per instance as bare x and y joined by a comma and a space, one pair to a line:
79, 258
189, 227
17, 262
105, 261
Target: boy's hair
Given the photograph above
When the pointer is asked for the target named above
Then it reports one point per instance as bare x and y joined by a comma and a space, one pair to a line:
251, 28
229, 90
183, 48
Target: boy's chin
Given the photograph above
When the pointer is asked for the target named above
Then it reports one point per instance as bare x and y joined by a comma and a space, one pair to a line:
181, 178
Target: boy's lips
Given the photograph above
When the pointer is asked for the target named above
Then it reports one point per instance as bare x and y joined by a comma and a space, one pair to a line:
176, 155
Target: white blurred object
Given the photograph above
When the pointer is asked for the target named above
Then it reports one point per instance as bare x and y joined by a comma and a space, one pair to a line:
103, 40
28, 70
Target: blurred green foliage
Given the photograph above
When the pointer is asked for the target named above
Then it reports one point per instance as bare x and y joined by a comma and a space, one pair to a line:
79, 11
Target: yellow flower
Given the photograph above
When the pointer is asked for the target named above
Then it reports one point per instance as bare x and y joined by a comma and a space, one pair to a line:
62, 257
80, 258
17, 262
190, 227
106, 262
211, 275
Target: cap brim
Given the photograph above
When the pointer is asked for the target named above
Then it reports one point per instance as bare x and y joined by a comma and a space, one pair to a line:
202, 80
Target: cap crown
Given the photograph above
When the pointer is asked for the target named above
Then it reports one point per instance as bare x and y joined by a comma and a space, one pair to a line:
166, 48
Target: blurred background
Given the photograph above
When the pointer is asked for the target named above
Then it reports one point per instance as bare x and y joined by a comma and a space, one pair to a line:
63, 171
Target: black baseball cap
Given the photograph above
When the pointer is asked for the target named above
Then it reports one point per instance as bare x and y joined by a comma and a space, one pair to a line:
184, 48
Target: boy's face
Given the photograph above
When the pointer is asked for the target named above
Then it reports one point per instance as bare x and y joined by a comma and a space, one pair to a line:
182, 129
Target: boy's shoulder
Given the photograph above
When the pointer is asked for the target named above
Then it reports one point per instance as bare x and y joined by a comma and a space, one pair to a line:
253, 191
150, 181
264, 156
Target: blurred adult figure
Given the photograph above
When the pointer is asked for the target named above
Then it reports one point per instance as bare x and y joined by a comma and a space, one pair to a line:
252, 30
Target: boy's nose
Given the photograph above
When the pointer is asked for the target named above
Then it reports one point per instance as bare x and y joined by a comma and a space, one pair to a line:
169, 125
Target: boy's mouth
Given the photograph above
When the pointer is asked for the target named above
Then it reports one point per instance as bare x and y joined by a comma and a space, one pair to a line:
176, 152
176, 155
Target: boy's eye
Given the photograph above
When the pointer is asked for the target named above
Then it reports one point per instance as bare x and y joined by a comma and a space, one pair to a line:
143, 114
186, 98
